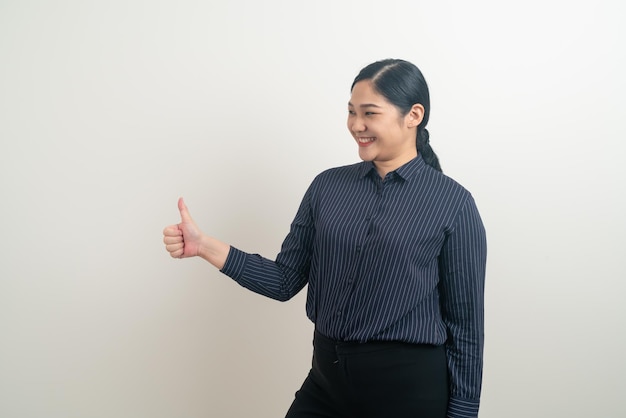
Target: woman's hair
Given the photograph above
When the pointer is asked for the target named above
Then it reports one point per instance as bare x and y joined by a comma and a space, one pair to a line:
403, 85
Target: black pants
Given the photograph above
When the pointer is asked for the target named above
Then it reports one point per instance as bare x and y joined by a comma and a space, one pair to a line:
373, 380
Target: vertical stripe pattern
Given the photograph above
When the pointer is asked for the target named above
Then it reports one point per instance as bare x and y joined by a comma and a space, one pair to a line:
394, 259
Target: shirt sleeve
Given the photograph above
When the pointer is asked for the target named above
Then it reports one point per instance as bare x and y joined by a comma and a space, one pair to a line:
284, 278
462, 278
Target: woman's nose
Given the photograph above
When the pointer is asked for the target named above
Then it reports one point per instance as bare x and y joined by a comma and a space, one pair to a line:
357, 124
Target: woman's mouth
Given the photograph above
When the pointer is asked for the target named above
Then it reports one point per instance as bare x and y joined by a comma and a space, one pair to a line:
364, 141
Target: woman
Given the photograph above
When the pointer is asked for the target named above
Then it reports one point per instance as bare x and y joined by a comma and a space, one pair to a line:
394, 255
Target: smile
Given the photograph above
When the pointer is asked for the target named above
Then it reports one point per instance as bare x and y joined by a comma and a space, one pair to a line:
365, 140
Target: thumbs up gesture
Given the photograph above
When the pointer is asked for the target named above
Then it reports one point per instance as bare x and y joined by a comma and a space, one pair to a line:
182, 240
186, 240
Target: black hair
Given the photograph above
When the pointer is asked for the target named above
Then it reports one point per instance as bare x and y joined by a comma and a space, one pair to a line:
403, 85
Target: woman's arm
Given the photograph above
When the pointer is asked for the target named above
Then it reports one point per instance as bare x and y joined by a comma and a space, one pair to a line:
462, 276
281, 279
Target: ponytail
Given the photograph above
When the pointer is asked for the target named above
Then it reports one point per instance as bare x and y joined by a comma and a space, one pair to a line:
425, 150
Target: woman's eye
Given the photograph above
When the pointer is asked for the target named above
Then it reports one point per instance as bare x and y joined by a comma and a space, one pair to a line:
353, 113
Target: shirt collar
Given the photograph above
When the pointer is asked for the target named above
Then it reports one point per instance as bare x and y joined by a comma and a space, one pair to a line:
405, 172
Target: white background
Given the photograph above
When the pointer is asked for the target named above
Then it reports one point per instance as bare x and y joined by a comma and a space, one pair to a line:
111, 110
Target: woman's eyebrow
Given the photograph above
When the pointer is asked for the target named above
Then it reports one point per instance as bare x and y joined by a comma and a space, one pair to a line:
366, 105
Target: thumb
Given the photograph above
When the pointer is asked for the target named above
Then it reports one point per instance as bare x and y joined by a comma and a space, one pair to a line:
184, 212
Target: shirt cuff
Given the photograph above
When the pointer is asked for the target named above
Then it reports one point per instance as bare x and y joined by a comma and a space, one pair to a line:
235, 263
463, 408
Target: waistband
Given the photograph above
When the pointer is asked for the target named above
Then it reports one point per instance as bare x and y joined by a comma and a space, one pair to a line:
322, 342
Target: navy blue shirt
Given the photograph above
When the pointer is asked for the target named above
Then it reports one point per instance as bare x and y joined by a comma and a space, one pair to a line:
394, 259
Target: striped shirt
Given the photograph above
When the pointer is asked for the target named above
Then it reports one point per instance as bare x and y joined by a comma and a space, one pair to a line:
394, 259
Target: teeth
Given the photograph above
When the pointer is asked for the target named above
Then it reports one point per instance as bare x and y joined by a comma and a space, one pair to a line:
365, 140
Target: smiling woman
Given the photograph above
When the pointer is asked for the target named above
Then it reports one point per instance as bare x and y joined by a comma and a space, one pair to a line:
109, 110
393, 253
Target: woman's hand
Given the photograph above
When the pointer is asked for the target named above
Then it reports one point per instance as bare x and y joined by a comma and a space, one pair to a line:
186, 240
182, 240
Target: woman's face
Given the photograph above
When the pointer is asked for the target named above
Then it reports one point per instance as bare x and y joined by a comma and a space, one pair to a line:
383, 135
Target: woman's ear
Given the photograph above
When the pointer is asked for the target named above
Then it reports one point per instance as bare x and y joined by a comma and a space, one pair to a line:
416, 115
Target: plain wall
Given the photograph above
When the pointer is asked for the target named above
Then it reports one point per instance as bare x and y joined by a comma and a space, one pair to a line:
111, 110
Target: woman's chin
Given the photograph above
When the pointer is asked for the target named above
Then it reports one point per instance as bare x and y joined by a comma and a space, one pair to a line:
366, 155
